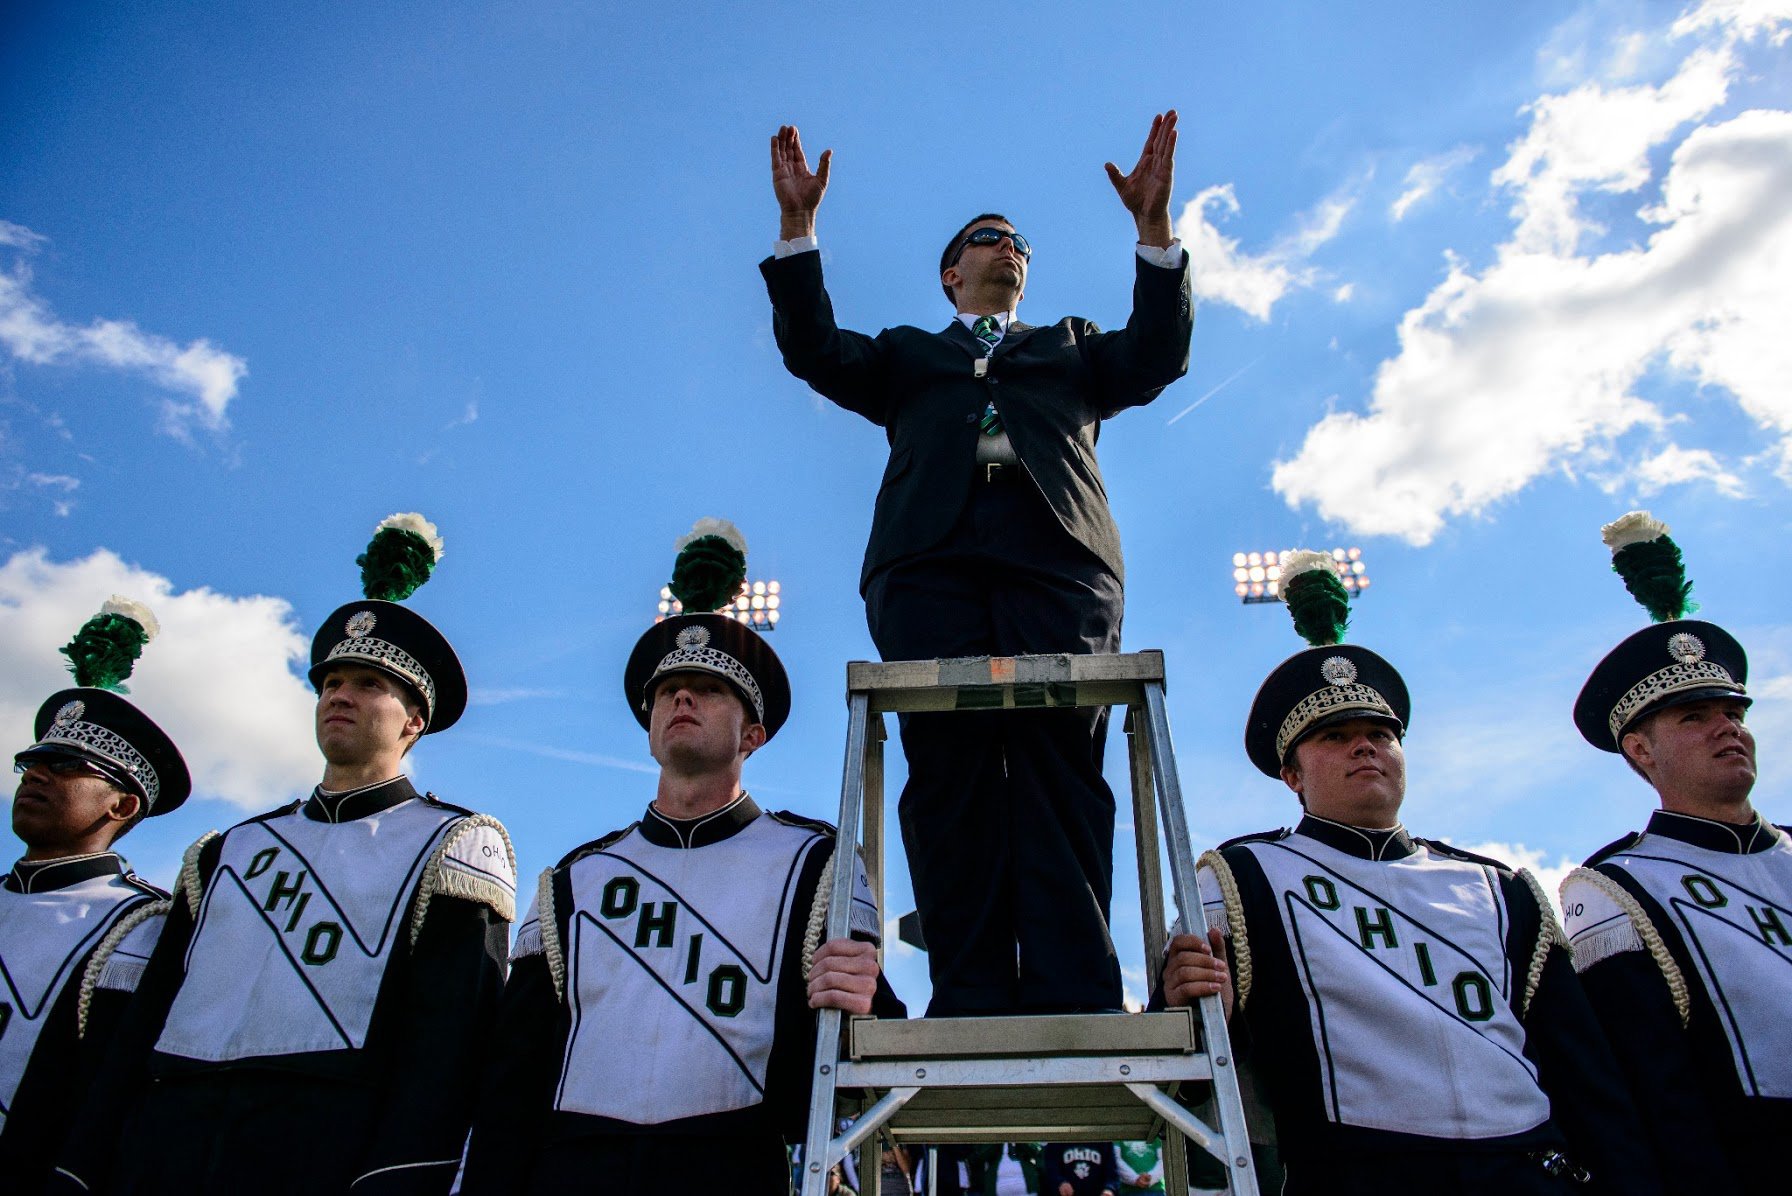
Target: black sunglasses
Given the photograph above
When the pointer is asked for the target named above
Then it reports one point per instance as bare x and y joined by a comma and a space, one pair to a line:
993, 236
62, 766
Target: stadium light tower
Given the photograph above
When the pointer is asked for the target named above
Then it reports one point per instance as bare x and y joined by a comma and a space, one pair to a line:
757, 605
1257, 576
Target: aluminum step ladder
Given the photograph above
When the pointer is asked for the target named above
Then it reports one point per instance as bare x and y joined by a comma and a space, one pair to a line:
1061, 1078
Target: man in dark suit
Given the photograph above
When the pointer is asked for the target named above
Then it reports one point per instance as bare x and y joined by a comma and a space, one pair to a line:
992, 536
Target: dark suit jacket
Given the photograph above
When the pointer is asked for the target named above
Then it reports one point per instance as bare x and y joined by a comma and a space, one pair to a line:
1053, 386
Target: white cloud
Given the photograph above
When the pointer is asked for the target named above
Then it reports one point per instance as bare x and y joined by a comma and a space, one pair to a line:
1423, 178
1133, 983
498, 695
1532, 364
1747, 18
56, 481
1549, 873
1599, 138
1224, 273
19, 237
218, 679
1344, 293
575, 756
204, 375
1673, 466
893, 941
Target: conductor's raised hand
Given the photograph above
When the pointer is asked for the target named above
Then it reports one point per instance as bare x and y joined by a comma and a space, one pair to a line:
798, 189
843, 975
1146, 190
1196, 968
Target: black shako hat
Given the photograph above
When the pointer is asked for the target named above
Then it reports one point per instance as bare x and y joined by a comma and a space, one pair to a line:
400, 642
99, 728
1664, 664
710, 644
1318, 687
1674, 661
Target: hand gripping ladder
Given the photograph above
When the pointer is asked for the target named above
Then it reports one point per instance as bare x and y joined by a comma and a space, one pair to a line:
1078, 1077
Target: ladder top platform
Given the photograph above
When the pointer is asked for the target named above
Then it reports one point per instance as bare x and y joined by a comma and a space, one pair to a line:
1005, 682
1039, 1037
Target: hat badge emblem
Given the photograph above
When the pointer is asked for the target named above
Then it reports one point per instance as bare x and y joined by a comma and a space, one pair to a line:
693, 637
1686, 648
71, 712
1338, 670
359, 624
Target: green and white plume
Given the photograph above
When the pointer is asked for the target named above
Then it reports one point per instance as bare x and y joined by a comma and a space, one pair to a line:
711, 564
1316, 597
1648, 560
403, 553
106, 649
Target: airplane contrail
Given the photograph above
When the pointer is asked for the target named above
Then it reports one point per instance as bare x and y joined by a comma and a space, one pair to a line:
1229, 381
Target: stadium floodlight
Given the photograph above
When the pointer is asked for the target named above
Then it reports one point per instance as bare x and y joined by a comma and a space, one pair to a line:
758, 605
1257, 576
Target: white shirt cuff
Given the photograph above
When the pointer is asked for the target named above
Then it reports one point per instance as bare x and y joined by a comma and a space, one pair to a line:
794, 246
1169, 257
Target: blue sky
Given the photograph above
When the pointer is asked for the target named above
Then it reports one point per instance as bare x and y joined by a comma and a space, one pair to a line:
1473, 280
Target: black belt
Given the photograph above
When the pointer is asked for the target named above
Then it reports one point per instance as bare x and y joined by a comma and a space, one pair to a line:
997, 473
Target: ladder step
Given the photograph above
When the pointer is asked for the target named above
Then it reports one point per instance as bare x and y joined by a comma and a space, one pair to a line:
1053, 1114
1020, 1071
1170, 1032
1004, 682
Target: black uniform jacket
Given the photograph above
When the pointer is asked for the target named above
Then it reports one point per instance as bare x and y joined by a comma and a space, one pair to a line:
67, 1054
1591, 1115
1053, 385
522, 1144
389, 1118
1708, 1135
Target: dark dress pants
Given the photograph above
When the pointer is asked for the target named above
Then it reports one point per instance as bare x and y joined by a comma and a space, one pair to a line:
1006, 818
1427, 1173
225, 1133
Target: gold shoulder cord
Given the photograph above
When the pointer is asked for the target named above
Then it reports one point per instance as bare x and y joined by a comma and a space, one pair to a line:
1241, 947
90, 977
188, 885
550, 932
818, 913
1549, 937
1645, 929
455, 884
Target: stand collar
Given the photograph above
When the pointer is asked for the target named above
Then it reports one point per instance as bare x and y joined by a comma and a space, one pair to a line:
347, 806
1712, 835
44, 876
687, 833
1391, 843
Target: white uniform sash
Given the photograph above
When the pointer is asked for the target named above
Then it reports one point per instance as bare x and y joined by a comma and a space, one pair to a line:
672, 968
1408, 987
295, 931
43, 939
1735, 913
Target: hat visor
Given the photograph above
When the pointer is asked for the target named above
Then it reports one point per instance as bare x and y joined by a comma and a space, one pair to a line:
1333, 717
1703, 693
322, 669
110, 769
746, 699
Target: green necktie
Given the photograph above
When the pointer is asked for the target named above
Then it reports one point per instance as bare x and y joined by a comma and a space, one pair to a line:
987, 330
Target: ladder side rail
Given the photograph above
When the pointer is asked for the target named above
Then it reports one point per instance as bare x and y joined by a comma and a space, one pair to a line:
827, 1022
1175, 1160
872, 815
1146, 839
1188, 904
